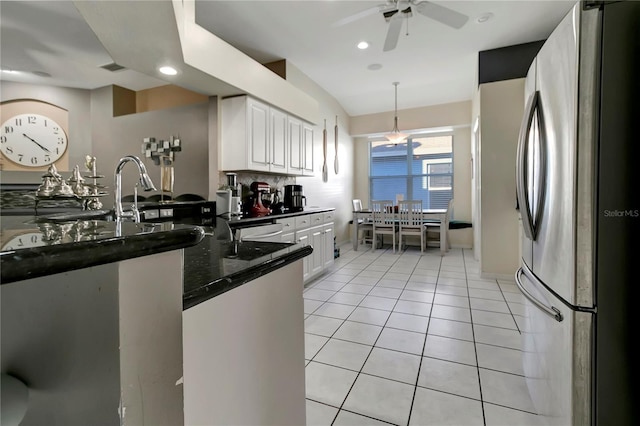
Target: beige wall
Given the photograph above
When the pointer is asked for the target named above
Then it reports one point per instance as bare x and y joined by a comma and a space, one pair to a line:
501, 109
76, 101
429, 117
455, 115
93, 130
114, 137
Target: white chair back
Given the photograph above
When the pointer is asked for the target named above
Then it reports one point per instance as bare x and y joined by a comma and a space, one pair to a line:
410, 213
357, 205
382, 211
384, 220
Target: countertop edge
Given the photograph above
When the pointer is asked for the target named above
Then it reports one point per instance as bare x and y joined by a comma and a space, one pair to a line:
18, 265
229, 282
273, 217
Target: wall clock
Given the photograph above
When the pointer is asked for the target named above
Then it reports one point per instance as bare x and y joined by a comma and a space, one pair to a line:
33, 135
32, 140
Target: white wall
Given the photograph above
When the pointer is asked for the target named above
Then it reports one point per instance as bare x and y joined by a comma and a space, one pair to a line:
476, 219
338, 190
501, 110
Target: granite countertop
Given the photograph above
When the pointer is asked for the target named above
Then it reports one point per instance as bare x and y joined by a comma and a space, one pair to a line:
213, 263
218, 265
32, 248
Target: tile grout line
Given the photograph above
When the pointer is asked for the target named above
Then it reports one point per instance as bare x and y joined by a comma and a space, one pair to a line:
424, 345
404, 288
366, 359
475, 347
358, 373
332, 334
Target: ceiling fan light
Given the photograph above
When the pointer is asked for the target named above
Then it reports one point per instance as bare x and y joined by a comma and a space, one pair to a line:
396, 137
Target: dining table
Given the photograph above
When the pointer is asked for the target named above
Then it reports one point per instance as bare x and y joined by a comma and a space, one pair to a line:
428, 216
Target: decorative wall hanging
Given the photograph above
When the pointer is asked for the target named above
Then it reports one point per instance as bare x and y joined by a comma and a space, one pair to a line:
325, 173
336, 139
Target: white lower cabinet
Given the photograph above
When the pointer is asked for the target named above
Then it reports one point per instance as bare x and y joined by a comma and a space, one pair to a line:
318, 243
328, 246
303, 238
315, 229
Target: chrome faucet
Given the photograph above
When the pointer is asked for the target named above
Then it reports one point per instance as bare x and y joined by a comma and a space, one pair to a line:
145, 181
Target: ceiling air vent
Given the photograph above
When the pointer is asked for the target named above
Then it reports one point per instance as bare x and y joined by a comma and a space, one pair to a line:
112, 67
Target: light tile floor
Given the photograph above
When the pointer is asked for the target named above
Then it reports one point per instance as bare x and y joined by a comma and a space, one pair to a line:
413, 339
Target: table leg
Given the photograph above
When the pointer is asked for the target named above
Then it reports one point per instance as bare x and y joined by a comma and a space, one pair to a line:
354, 234
443, 236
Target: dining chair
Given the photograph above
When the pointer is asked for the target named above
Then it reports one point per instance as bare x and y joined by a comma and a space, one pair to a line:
384, 221
411, 221
434, 227
363, 224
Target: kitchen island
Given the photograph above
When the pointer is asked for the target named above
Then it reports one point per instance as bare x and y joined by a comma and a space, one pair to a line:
93, 321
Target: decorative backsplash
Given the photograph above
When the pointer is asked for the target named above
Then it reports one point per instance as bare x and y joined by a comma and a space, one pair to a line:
246, 178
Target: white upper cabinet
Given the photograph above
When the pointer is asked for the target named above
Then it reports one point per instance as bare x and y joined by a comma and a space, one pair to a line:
307, 153
259, 137
278, 141
294, 126
300, 147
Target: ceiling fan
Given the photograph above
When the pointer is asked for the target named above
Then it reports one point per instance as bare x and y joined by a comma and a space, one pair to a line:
395, 10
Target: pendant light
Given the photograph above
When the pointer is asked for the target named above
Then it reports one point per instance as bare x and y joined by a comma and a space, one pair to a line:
396, 136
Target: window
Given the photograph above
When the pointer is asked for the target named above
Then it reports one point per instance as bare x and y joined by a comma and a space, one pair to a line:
421, 168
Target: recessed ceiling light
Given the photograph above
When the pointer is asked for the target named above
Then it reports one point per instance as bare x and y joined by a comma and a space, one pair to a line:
363, 45
11, 71
168, 70
374, 67
484, 17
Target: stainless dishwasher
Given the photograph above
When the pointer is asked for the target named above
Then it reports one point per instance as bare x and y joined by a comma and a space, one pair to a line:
271, 232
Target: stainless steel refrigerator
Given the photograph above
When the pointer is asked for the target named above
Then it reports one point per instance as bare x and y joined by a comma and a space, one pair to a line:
578, 164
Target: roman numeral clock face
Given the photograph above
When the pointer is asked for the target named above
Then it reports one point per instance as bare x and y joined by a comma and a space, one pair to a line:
32, 140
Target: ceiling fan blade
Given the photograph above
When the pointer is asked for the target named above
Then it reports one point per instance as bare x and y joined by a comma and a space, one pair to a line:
441, 14
356, 16
393, 33
385, 7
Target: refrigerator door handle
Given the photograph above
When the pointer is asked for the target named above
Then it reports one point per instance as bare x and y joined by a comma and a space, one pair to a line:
549, 310
521, 169
531, 213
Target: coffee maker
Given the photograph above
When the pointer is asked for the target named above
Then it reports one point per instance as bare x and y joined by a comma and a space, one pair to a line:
293, 198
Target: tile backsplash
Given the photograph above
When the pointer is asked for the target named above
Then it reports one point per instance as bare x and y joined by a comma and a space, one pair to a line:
246, 178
